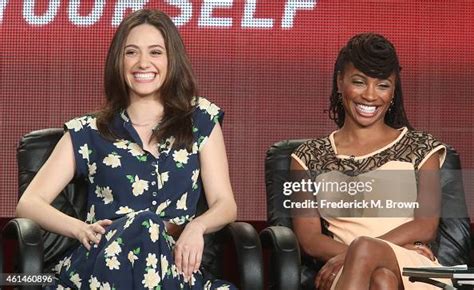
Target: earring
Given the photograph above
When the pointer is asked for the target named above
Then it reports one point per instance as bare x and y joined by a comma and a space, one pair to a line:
390, 107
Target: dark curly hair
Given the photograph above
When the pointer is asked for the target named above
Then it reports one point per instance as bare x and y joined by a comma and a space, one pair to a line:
177, 91
376, 57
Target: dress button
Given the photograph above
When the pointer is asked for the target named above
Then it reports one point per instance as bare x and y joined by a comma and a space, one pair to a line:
154, 193
153, 202
153, 183
153, 173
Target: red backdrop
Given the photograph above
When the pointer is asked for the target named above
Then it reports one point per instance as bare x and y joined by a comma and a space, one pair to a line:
267, 63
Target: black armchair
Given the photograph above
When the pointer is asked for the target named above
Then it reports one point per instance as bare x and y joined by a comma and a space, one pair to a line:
38, 250
452, 246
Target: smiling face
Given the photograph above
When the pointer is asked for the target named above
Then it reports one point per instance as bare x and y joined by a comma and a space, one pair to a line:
145, 61
365, 99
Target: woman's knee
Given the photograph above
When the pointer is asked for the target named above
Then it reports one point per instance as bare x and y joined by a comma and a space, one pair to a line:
363, 247
383, 278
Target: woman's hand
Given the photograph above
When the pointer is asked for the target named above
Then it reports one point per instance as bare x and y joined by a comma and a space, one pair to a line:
328, 272
90, 234
421, 249
189, 248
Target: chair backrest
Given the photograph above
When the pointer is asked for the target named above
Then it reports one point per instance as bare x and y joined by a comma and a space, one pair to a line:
34, 149
453, 243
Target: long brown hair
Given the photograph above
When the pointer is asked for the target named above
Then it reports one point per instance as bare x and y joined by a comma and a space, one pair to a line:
376, 57
177, 91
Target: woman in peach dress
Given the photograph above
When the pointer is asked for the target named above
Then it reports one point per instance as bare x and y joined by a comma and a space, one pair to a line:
369, 245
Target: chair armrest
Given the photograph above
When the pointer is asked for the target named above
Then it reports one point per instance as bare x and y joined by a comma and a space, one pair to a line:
249, 254
29, 240
285, 257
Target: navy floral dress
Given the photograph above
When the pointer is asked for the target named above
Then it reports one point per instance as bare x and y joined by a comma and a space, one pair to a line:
138, 192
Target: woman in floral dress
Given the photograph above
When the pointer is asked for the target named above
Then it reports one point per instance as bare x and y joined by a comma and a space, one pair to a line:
146, 158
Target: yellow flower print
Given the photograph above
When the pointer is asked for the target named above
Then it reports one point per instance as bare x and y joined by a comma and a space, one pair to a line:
74, 124
104, 193
113, 249
112, 263
91, 214
154, 231
132, 257
94, 283
139, 186
110, 234
162, 206
180, 157
135, 149
92, 123
107, 194
194, 178
124, 210
92, 171
112, 160
76, 280
85, 151
164, 266
151, 260
181, 203
151, 279
121, 144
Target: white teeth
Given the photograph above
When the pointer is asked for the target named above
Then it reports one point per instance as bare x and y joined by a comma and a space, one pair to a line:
144, 76
366, 109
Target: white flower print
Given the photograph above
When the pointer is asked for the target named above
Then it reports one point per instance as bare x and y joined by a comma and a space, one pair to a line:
224, 287
121, 144
212, 110
74, 124
181, 203
94, 283
193, 280
195, 148
129, 221
203, 103
154, 231
91, 214
162, 206
110, 234
104, 193
112, 263
164, 266
209, 107
124, 210
135, 149
76, 280
139, 186
84, 151
174, 270
203, 142
194, 178
181, 156
92, 123
113, 249
107, 194
132, 257
67, 263
92, 171
163, 178
151, 260
151, 279
105, 286
112, 160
